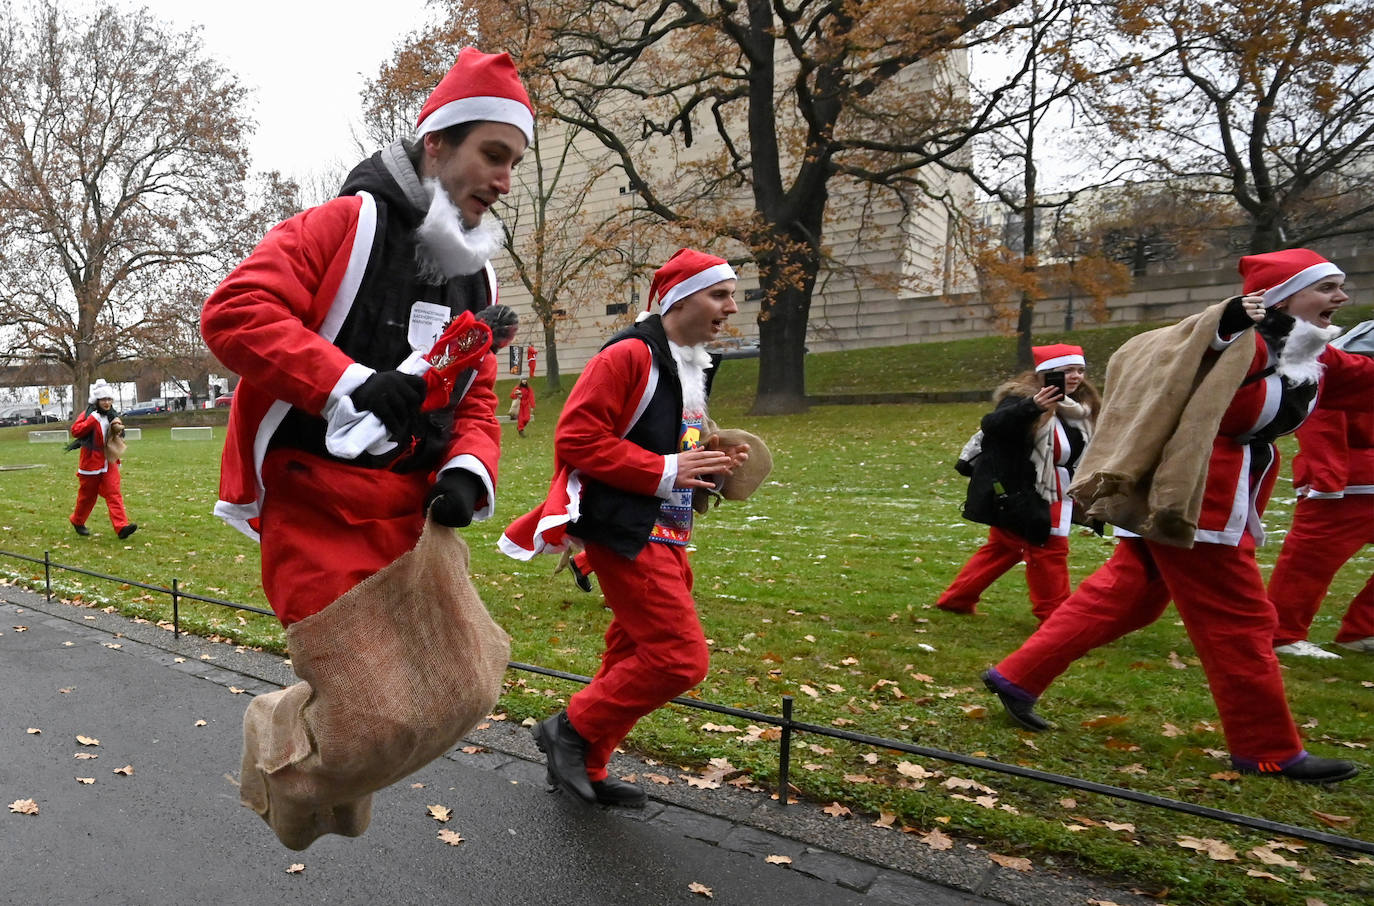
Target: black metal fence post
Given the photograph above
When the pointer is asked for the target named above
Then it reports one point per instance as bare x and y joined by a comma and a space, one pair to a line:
47, 574
785, 754
176, 611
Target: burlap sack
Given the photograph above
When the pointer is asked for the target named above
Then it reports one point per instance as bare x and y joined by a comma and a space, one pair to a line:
393, 674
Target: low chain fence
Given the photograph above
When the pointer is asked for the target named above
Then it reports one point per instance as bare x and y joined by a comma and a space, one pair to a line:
789, 726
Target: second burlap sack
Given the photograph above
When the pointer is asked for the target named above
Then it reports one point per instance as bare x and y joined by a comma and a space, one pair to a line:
393, 674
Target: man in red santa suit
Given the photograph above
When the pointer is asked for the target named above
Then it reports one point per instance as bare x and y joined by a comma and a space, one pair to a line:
1333, 475
326, 322
97, 472
628, 454
1193, 513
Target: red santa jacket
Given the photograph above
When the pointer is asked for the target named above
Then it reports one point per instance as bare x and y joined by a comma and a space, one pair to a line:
1233, 500
273, 320
93, 428
1335, 449
612, 393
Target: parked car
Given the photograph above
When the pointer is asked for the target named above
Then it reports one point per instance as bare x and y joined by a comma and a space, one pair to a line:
222, 402
149, 408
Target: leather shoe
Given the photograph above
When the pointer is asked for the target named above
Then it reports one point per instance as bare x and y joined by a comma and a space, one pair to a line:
1311, 769
1021, 712
81, 530
128, 530
565, 754
580, 579
613, 791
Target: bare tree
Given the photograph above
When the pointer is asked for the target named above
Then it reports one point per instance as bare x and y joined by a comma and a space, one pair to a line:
747, 120
1270, 105
124, 191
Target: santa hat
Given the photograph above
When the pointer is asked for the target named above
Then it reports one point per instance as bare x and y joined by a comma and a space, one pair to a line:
685, 273
480, 86
1278, 275
1057, 355
101, 390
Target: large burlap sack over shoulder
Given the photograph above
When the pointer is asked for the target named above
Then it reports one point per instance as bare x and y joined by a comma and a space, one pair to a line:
393, 674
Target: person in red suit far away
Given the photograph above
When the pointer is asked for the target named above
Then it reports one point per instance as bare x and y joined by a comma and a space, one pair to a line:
1333, 475
525, 394
99, 434
1242, 373
630, 449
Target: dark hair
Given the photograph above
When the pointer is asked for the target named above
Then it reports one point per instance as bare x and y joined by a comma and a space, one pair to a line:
455, 134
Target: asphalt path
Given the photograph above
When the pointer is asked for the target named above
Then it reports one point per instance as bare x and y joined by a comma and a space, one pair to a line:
158, 820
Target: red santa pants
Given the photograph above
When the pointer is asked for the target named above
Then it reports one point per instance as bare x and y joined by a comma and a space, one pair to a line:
106, 485
1047, 572
655, 647
327, 526
1326, 533
1220, 596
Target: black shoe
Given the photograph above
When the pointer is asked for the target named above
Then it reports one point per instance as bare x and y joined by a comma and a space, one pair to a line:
612, 791
565, 755
580, 579
1311, 769
81, 530
128, 530
1021, 712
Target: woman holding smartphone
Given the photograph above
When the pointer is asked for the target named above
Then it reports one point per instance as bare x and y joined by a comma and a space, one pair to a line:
1031, 443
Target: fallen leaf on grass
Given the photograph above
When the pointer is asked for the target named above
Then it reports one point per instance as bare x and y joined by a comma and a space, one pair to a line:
88, 740
439, 813
914, 771
778, 860
835, 810
1015, 863
702, 889
1267, 855
1225, 775
24, 807
1123, 826
451, 837
1170, 731
885, 819
1331, 820
1105, 720
127, 770
296, 868
1216, 850
808, 690
974, 711
1256, 873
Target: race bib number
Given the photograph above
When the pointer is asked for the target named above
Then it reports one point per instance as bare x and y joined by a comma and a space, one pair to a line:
427, 322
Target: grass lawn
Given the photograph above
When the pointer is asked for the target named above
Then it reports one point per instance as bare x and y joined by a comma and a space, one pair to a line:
821, 587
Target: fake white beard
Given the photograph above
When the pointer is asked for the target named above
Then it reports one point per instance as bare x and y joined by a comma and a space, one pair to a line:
445, 248
1298, 358
692, 362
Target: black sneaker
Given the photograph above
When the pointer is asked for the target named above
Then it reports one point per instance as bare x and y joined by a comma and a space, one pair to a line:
128, 530
81, 530
580, 579
1020, 711
1310, 769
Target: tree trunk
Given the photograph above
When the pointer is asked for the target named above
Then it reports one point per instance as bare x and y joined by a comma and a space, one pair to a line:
552, 381
1267, 236
782, 330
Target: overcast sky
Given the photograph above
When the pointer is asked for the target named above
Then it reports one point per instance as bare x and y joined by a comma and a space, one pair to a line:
305, 62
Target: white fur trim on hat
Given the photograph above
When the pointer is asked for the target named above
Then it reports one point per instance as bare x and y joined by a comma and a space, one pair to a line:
467, 110
1299, 281
1060, 361
101, 391
710, 277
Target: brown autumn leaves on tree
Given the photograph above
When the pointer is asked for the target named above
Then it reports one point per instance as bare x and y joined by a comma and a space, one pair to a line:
124, 189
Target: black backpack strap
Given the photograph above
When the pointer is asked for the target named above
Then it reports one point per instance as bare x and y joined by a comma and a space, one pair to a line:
1259, 375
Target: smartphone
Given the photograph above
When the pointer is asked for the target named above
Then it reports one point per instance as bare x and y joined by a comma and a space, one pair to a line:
1055, 379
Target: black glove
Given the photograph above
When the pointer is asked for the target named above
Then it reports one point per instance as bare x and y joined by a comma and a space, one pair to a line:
392, 396
504, 323
1233, 319
453, 497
